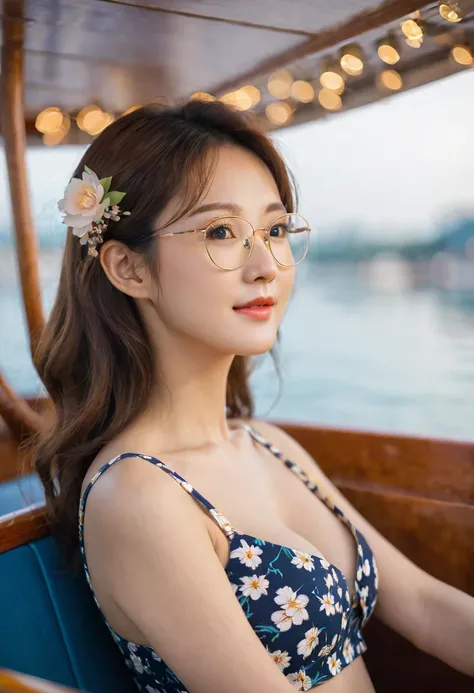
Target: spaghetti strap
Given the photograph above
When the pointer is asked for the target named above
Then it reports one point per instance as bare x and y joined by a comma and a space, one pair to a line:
302, 475
218, 518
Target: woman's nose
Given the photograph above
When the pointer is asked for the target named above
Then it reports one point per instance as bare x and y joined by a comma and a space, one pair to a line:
261, 262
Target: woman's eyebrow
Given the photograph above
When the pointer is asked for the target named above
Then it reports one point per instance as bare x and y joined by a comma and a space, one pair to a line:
233, 208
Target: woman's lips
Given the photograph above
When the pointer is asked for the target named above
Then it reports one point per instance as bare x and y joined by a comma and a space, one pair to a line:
255, 312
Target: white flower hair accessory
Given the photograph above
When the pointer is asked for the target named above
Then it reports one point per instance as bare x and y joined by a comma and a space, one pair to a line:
87, 205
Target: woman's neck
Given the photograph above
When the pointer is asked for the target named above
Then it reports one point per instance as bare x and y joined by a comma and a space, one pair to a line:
188, 405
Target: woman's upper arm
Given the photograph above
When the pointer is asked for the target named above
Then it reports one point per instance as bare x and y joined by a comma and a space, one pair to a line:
164, 574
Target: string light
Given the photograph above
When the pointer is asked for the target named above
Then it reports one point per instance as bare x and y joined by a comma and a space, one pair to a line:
391, 79
329, 99
278, 113
49, 120
202, 96
352, 60
85, 112
450, 11
332, 76
462, 55
279, 84
96, 120
50, 139
239, 99
414, 43
302, 91
252, 92
130, 110
412, 30
388, 50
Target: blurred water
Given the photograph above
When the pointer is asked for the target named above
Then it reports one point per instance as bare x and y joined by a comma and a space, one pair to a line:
399, 361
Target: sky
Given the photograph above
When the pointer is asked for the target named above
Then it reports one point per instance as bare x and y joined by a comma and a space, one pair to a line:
394, 169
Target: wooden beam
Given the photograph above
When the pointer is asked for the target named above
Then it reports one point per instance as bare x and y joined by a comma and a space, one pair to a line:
13, 682
22, 526
358, 24
20, 418
13, 128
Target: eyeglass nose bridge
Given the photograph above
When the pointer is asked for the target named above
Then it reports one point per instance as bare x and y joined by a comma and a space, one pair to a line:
249, 242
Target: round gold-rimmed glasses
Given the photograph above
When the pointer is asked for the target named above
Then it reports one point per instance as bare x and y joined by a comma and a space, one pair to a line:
229, 240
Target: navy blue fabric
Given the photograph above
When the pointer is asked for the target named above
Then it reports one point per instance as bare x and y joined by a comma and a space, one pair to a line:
301, 607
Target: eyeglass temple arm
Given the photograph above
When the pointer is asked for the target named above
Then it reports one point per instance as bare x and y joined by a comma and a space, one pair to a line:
176, 233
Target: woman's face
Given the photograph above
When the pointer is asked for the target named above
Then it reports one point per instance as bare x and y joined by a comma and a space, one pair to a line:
197, 300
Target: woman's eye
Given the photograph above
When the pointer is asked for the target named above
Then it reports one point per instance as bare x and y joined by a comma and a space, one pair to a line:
279, 231
218, 233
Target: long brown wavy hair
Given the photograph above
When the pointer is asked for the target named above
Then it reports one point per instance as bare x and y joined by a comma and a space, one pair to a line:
94, 357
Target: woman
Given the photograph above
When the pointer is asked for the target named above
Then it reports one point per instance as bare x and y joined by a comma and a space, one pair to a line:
179, 263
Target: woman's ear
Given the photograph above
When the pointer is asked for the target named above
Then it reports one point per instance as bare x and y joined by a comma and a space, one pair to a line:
125, 269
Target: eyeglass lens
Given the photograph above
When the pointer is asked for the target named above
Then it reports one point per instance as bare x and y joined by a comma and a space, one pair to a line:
229, 240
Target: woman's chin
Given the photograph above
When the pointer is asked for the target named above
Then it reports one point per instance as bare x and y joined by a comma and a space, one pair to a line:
254, 347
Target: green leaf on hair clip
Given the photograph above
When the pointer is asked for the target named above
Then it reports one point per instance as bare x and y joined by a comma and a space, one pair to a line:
87, 169
115, 198
105, 183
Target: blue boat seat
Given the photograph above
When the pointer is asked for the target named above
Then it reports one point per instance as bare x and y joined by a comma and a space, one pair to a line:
49, 624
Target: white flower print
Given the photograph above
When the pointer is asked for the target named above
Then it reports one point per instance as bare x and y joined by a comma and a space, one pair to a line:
343, 621
301, 681
324, 563
338, 608
281, 658
334, 664
359, 573
366, 568
327, 604
149, 689
282, 621
327, 649
329, 581
254, 586
234, 588
334, 574
248, 555
138, 664
364, 593
348, 596
294, 608
360, 550
339, 591
187, 487
348, 651
155, 656
307, 645
303, 560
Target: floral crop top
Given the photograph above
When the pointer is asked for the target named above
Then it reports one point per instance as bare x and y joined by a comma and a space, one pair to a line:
300, 606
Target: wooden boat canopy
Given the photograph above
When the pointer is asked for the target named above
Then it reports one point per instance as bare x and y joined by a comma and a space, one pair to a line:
121, 53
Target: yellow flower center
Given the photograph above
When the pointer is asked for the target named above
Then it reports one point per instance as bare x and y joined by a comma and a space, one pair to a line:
87, 198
